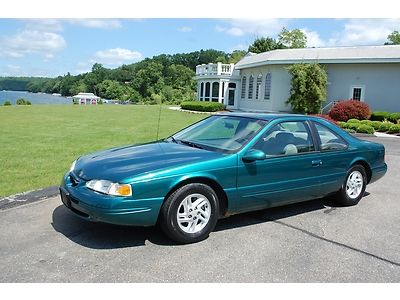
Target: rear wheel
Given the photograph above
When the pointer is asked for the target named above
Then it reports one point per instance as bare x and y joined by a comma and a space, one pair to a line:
353, 187
190, 213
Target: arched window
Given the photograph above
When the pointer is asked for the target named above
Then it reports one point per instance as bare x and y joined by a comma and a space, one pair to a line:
267, 91
243, 93
251, 86
202, 91
258, 85
207, 94
215, 91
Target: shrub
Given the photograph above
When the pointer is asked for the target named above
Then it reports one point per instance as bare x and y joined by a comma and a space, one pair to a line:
353, 121
365, 129
385, 126
365, 122
202, 106
352, 125
394, 117
375, 124
22, 101
342, 124
350, 109
379, 116
7, 103
394, 128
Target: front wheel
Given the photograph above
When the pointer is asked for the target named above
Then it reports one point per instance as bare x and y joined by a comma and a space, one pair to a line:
190, 213
353, 187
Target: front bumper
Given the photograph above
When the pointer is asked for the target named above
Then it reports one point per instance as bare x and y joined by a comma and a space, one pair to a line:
93, 206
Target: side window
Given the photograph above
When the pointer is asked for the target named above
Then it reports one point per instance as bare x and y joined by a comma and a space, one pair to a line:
329, 140
286, 138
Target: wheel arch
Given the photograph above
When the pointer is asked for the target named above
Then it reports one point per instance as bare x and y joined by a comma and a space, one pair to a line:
367, 167
222, 197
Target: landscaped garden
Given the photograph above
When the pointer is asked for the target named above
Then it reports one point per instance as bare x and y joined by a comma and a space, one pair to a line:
356, 116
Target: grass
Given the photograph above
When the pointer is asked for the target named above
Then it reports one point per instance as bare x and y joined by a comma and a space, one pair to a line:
38, 143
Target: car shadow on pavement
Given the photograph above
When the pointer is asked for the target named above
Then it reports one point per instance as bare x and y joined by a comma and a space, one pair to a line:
107, 236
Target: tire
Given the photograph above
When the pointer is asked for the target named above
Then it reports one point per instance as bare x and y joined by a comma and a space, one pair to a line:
190, 213
353, 187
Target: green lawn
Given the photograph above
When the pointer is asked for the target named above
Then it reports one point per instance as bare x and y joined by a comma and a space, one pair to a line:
38, 143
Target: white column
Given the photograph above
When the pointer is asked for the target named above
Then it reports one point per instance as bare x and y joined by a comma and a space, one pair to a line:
219, 68
220, 91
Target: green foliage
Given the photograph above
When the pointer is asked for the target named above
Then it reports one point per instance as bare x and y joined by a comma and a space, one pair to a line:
202, 106
394, 117
394, 128
342, 124
22, 101
379, 115
365, 129
7, 103
262, 44
393, 38
353, 121
292, 38
385, 126
308, 91
236, 55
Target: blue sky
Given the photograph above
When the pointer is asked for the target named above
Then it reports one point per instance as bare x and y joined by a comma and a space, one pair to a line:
52, 47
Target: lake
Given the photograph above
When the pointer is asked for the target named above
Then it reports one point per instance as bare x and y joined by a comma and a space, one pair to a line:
34, 98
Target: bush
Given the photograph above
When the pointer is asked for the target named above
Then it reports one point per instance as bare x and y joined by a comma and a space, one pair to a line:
394, 117
7, 103
375, 124
353, 121
352, 125
22, 101
350, 109
385, 126
379, 116
202, 106
394, 128
365, 129
342, 124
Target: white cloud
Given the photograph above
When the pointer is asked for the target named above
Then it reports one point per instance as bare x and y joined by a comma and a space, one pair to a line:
32, 41
255, 27
97, 23
238, 47
46, 25
185, 29
116, 56
364, 32
313, 38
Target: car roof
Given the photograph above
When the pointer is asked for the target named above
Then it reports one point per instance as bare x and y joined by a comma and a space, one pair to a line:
261, 116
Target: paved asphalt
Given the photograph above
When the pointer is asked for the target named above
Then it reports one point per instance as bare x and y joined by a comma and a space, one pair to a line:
42, 241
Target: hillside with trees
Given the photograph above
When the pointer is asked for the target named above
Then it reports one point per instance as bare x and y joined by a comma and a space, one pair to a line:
166, 78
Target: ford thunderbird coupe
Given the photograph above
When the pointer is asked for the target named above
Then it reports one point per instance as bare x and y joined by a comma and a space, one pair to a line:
225, 164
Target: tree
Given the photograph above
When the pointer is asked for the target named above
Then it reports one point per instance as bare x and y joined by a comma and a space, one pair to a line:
236, 55
292, 38
261, 44
393, 38
308, 91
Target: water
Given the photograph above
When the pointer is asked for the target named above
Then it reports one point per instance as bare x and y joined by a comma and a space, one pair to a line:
34, 98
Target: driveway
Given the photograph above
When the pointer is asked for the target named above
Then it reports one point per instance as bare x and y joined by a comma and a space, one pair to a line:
316, 241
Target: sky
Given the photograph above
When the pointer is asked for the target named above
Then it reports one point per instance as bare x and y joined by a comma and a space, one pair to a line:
51, 47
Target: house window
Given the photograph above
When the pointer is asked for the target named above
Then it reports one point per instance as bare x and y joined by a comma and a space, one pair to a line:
258, 85
251, 87
267, 91
201, 91
215, 91
243, 94
357, 93
207, 90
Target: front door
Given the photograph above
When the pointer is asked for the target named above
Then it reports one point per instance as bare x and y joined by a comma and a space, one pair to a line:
286, 175
231, 97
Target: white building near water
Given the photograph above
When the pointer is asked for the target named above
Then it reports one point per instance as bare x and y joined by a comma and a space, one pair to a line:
261, 82
85, 99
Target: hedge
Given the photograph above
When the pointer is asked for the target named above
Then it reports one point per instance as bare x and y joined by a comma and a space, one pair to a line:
379, 116
350, 109
365, 129
202, 106
394, 128
385, 126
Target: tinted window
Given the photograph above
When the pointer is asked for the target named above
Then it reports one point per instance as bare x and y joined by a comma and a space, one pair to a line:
329, 139
286, 138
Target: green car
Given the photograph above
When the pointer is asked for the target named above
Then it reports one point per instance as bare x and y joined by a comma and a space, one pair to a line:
225, 164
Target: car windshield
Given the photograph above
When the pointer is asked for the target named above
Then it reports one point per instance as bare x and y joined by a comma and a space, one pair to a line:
227, 134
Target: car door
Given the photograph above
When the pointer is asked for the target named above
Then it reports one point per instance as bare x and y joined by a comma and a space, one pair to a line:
335, 158
286, 174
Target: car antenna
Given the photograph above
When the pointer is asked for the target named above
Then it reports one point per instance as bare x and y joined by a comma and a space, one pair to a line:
159, 118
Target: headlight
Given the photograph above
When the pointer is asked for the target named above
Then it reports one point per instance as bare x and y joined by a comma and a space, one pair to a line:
72, 166
109, 188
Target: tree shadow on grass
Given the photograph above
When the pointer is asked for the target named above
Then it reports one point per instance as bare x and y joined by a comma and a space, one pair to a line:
107, 236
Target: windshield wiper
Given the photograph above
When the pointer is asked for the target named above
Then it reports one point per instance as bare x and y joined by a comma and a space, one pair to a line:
191, 144
173, 139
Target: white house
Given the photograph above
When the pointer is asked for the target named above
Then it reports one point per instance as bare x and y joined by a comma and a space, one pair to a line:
261, 82
85, 98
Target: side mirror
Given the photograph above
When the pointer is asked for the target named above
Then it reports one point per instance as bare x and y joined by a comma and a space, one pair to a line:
253, 155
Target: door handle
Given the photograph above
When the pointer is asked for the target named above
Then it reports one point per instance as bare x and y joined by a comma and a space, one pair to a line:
316, 163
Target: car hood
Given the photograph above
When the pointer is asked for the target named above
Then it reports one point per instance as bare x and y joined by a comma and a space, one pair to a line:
120, 163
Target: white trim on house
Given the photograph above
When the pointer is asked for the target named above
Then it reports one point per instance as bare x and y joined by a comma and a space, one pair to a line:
357, 86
